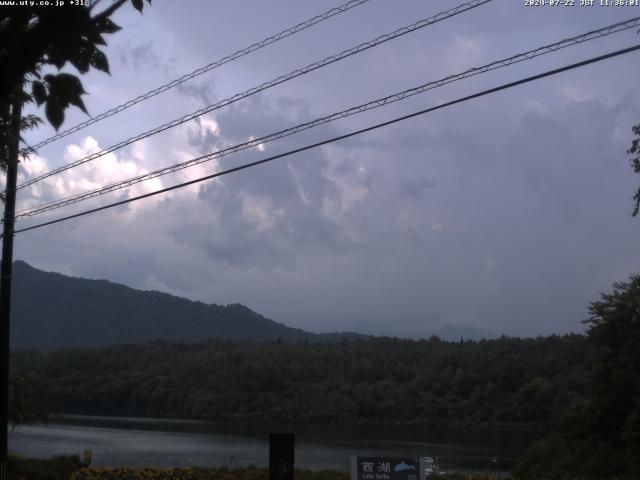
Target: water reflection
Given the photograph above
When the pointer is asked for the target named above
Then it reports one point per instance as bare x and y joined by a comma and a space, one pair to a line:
141, 442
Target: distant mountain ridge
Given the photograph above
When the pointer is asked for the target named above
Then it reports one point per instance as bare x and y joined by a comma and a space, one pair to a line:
51, 310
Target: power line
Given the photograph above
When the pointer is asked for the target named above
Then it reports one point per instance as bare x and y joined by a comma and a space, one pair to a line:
229, 58
594, 34
340, 137
252, 91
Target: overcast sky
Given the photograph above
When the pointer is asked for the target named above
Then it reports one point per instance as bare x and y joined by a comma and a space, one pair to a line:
510, 212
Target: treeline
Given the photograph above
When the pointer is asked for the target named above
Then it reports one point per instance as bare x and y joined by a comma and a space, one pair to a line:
375, 381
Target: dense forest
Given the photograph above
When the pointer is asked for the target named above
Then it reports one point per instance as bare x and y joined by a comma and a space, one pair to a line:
374, 381
598, 435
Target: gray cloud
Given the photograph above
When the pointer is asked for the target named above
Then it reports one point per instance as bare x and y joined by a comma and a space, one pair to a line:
270, 215
510, 212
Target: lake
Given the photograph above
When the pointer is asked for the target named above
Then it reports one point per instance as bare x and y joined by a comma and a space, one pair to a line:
143, 442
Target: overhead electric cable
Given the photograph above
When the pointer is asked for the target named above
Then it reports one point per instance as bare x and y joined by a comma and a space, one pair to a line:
340, 137
229, 58
618, 27
252, 91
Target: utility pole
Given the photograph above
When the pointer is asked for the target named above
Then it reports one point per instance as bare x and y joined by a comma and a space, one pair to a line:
5, 275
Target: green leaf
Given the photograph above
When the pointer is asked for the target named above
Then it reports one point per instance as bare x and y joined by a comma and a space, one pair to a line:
99, 61
56, 56
64, 85
39, 92
81, 58
55, 113
97, 39
29, 122
77, 101
138, 5
105, 25
64, 89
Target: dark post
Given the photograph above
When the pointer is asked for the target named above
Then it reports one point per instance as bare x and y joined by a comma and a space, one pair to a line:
5, 278
281, 453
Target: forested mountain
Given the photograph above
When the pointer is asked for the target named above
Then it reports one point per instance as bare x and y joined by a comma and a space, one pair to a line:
375, 381
50, 310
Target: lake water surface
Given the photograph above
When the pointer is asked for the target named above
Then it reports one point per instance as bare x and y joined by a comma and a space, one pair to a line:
140, 442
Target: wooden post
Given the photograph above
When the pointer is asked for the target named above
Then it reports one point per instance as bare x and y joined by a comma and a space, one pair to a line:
281, 456
5, 279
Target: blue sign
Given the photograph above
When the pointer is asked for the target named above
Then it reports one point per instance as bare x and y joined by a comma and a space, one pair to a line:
387, 468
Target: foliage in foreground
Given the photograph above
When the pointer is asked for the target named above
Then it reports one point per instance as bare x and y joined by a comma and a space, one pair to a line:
195, 473
247, 473
599, 436
70, 468
57, 468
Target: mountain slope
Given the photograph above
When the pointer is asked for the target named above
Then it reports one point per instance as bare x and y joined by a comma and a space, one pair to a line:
50, 310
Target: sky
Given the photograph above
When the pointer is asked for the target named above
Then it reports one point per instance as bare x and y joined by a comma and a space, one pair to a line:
509, 213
